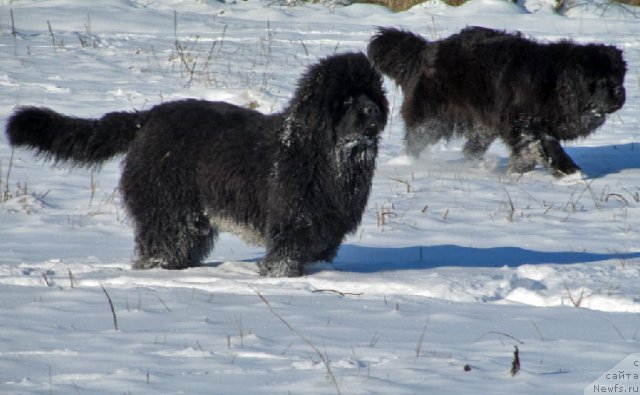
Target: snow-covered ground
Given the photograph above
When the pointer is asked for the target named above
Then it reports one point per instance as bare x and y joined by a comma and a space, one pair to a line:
453, 266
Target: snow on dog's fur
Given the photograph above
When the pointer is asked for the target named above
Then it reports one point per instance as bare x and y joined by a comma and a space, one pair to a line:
296, 181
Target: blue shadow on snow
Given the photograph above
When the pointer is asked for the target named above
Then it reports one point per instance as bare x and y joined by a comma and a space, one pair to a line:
361, 259
600, 161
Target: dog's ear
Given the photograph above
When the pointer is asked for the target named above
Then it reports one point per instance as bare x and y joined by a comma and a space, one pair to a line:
309, 122
311, 108
570, 88
319, 100
428, 58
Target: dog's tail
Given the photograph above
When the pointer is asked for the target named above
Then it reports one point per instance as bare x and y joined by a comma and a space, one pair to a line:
396, 53
81, 142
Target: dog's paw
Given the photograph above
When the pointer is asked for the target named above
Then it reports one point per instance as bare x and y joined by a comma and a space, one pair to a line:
280, 268
149, 263
576, 177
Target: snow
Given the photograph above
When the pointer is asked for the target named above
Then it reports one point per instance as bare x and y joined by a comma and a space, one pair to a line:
454, 264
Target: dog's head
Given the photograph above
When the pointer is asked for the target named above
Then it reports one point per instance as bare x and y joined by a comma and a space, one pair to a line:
604, 70
340, 101
594, 82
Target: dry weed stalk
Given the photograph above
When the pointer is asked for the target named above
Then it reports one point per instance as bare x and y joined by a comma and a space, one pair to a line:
113, 310
322, 357
515, 364
421, 339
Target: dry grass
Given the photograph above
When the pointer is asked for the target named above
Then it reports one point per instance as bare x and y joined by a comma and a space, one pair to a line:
602, 8
403, 5
393, 5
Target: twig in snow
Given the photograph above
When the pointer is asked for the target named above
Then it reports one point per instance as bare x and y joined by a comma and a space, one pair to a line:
515, 364
46, 280
537, 330
6, 195
53, 37
323, 358
617, 196
164, 304
14, 34
506, 335
113, 310
421, 339
342, 294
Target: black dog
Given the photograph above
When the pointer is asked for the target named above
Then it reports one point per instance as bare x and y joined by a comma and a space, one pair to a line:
485, 84
297, 181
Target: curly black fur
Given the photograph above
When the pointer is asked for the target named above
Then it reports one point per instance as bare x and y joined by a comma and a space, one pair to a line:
485, 84
296, 181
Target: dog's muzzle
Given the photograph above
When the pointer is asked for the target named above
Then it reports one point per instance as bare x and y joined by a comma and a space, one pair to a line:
373, 124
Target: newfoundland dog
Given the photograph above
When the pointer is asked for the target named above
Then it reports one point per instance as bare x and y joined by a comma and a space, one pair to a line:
484, 84
296, 182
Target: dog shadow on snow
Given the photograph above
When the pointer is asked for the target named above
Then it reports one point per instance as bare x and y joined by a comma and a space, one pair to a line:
363, 259
371, 259
597, 162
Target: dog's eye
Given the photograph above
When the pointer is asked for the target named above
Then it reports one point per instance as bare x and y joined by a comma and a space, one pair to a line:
599, 85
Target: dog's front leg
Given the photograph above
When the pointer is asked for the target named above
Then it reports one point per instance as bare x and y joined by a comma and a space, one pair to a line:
276, 264
287, 245
555, 158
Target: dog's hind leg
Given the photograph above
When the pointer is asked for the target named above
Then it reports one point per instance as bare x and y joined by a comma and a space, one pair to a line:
418, 137
171, 229
416, 141
172, 240
525, 154
478, 142
525, 144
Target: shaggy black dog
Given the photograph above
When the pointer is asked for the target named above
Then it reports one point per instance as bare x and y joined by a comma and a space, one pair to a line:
296, 181
485, 84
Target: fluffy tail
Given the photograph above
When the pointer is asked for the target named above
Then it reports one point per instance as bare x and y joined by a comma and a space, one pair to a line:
396, 53
82, 142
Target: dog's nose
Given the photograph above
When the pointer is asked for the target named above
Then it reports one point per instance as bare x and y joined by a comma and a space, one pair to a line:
619, 93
